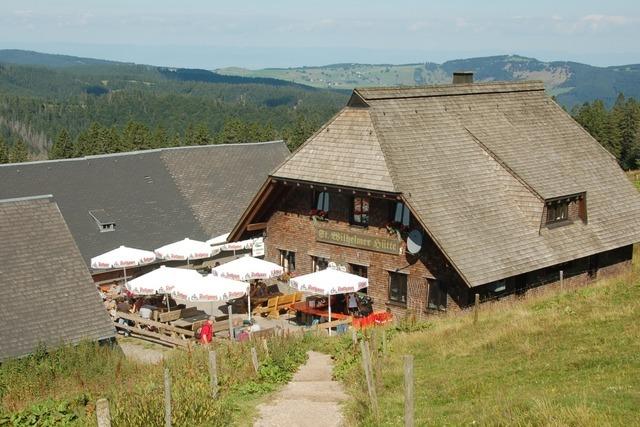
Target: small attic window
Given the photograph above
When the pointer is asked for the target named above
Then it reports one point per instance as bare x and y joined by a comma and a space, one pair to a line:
111, 226
103, 219
564, 210
557, 211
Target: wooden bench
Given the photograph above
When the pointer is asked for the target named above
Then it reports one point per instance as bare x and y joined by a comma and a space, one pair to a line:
271, 309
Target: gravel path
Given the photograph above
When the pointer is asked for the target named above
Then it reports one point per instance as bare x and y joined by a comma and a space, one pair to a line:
141, 351
312, 398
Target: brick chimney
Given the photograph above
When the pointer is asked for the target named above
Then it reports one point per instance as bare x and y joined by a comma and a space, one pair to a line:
462, 77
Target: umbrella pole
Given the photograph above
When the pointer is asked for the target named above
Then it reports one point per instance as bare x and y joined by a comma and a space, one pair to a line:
249, 303
167, 297
329, 314
124, 269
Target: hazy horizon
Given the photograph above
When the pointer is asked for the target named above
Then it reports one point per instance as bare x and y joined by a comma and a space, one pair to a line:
288, 34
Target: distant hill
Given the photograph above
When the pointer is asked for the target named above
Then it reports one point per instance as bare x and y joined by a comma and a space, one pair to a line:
28, 57
571, 82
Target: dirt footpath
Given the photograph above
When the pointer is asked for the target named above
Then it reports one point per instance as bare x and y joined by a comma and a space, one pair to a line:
311, 399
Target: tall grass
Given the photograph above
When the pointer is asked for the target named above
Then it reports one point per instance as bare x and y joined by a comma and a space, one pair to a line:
565, 358
60, 387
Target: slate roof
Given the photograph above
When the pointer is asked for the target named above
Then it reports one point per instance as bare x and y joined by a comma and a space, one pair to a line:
46, 292
154, 196
475, 162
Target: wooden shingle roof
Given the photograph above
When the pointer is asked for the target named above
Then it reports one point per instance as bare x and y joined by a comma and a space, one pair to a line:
345, 151
46, 293
475, 162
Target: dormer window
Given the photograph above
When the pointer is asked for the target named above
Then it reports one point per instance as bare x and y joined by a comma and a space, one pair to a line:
111, 226
103, 219
557, 211
564, 210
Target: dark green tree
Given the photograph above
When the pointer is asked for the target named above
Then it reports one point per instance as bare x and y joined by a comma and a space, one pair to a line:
4, 151
201, 135
626, 116
301, 130
159, 138
19, 152
135, 136
234, 130
62, 147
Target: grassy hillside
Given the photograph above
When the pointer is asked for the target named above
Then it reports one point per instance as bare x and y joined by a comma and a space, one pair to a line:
572, 83
566, 359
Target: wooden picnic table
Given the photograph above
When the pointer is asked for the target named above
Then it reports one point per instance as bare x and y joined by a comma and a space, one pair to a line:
188, 322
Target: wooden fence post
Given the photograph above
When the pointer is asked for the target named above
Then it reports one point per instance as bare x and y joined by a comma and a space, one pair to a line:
354, 337
265, 346
102, 413
368, 375
254, 359
561, 280
408, 391
475, 309
384, 342
167, 398
213, 373
230, 313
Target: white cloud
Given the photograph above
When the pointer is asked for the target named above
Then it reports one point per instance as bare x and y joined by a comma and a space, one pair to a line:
596, 21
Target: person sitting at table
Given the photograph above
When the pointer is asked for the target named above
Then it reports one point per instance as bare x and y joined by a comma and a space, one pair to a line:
352, 303
206, 332
137, 304
122, 306
244, 335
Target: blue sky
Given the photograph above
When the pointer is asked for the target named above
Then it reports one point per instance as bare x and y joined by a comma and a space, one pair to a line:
256, 34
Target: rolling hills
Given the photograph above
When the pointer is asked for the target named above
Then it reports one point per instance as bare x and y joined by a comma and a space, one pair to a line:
41, 94
571, 82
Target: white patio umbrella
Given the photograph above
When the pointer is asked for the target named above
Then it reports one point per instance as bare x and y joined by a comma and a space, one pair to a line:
218, 240
186, 249
161, 280
122, 257
210, 288
248, 268
329, 282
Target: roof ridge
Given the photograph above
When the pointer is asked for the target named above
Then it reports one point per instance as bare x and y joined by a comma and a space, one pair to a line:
136, 152
430, 91
27, 198
448, 85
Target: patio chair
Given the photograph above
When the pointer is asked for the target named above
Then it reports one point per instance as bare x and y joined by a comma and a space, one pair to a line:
271, 309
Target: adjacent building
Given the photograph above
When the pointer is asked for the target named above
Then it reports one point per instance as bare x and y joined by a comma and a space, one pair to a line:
46, 292
437, 193
146, 199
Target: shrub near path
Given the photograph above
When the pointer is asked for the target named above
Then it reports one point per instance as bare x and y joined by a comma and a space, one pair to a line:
567, 359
